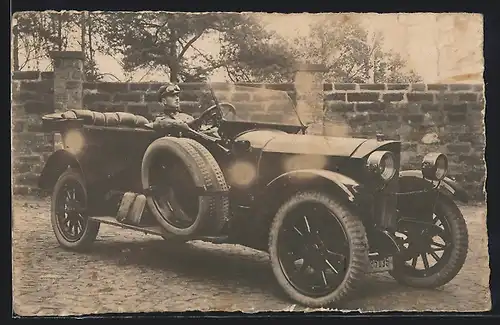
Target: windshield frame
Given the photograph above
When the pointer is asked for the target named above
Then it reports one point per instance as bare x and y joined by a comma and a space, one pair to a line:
289, 107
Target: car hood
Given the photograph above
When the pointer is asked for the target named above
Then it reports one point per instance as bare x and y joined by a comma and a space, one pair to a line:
281, 142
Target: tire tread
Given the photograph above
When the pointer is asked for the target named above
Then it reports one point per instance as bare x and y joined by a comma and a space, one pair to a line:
93, 227
221, 211
359, 261
457, 258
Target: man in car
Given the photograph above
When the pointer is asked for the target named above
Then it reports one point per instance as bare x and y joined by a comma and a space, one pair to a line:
168, 96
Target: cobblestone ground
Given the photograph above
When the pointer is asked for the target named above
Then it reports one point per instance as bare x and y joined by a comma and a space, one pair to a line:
131, 272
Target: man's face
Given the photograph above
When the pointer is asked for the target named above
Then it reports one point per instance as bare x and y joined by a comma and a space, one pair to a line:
171, 101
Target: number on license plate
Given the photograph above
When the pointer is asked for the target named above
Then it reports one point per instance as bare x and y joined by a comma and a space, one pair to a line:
381, 265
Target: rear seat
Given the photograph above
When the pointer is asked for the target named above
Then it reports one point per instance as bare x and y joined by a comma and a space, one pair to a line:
121, 119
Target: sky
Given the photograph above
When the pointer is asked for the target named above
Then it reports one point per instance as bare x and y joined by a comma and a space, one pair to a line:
440, 47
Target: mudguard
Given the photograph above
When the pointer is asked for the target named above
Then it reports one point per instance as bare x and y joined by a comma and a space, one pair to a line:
304, 176
57, 163
447, 186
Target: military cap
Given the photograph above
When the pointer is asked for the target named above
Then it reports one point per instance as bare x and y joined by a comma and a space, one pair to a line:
168, 89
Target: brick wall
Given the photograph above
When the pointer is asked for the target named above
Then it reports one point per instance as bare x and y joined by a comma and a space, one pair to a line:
141, 98
425, 117
32, 96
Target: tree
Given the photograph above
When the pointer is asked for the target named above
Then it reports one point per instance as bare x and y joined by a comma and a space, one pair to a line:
251, 54
39, 33
88, 27
167, 42
351, 54
36, 34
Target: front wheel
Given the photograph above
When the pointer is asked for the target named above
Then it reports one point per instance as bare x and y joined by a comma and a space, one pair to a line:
318, 249
434, 252
70, 223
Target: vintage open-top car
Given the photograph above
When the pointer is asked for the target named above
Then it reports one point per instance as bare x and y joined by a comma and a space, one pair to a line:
328, 210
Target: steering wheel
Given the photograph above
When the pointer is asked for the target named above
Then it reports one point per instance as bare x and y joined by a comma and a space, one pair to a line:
213, 114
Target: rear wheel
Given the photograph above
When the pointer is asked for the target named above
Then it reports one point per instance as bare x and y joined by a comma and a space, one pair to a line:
318, 249
434, 252
70, 222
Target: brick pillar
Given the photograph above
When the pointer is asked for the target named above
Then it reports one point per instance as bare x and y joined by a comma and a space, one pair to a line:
68, 80
310, 96
68, 85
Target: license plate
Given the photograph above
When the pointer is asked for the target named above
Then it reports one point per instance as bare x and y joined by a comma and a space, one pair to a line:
381, 265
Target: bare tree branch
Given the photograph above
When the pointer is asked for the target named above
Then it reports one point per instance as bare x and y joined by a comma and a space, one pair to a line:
190, 42
229, 74
29, 51
214, 64
358, 70
108, 74
348, 73
155, 37
27, 57
151, 67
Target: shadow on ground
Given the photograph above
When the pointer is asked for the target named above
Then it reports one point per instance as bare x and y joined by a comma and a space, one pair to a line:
193, 260
196, 261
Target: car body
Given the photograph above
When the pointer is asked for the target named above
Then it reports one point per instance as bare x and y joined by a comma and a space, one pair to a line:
249, 182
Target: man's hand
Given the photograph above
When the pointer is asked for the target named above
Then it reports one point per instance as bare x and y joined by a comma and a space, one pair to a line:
212, 131
167, 122
181, 124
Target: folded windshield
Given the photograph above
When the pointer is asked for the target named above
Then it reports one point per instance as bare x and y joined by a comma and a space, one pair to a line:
254, 104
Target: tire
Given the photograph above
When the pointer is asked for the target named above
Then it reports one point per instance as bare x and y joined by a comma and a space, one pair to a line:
355, 265
200, 175
454, 257
90, 228
220, 217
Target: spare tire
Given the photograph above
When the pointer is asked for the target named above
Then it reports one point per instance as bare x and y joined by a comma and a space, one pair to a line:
175, 167
221, 216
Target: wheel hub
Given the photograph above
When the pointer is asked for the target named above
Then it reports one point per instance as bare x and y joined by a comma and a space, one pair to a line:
315, 267
316, 252
73, 206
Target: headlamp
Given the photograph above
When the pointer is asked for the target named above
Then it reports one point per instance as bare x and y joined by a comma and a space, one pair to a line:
382, 163
435, 166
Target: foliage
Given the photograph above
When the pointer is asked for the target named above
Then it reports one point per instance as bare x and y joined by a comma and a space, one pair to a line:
252, 54
167, 42
192, 47
40, 33
350, 54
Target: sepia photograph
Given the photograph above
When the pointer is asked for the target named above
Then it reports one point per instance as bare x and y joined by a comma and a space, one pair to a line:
271, 162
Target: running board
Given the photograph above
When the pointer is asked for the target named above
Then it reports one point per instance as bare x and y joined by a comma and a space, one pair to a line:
156, 230
152, 230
